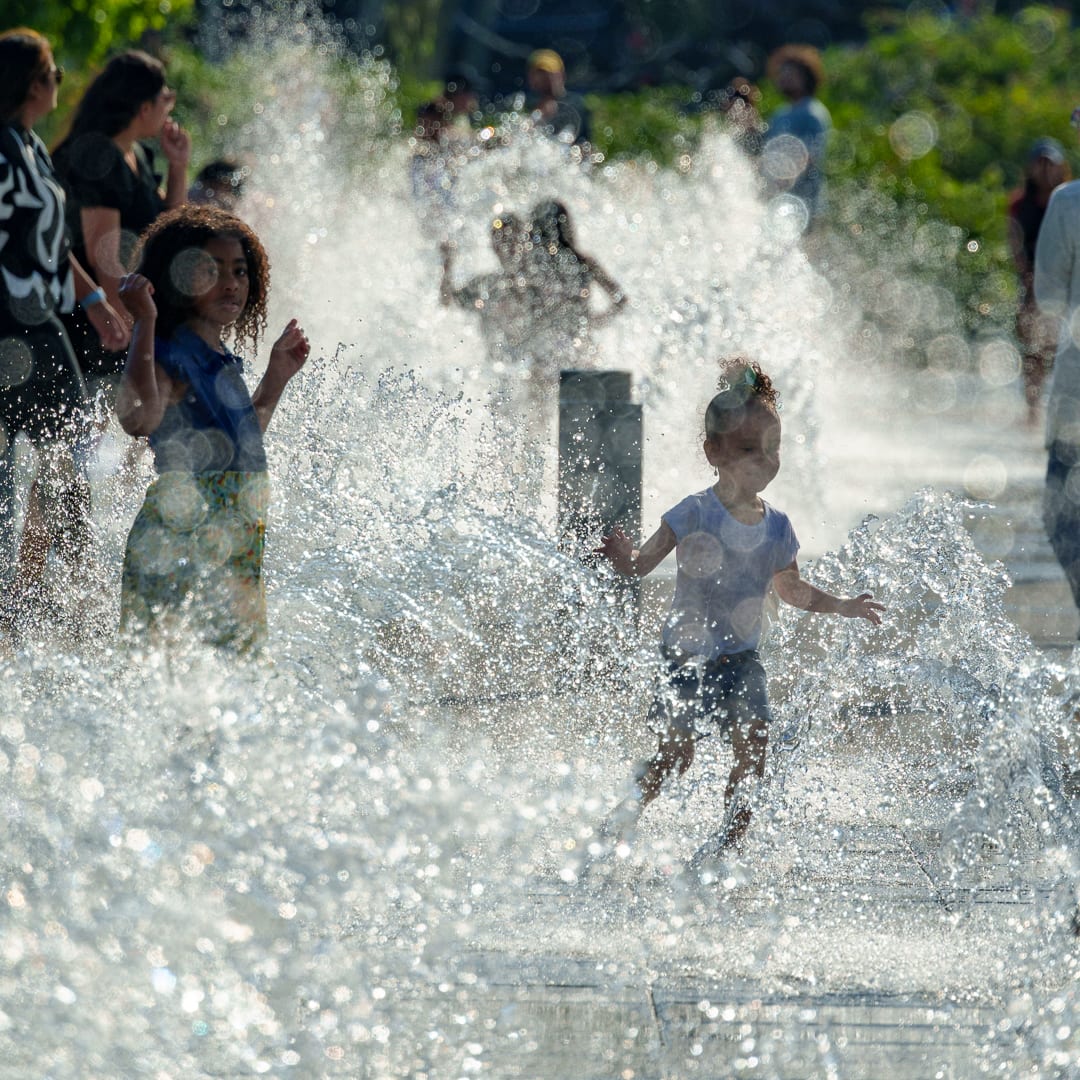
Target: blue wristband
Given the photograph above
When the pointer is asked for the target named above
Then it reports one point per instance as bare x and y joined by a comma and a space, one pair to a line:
92, 298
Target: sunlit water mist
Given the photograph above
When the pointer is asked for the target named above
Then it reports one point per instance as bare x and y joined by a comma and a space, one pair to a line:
278, 868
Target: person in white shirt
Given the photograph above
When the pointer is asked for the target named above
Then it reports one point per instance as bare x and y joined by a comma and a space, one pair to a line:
1057, 291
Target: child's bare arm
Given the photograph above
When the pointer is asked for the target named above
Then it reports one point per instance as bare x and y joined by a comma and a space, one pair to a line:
619, 551
288, 356
612, 288
145, 387
801, 594
446, 291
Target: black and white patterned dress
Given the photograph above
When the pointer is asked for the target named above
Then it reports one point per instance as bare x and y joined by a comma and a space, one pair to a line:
42, 393
41, 389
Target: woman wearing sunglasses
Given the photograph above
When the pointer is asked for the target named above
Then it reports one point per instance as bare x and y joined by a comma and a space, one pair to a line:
42, 395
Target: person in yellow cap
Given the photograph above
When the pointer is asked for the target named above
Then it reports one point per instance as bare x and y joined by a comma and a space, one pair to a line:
554, 110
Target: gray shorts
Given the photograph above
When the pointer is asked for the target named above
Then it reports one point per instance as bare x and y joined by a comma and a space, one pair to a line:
708, 697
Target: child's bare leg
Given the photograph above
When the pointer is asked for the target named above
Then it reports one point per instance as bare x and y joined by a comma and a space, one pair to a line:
749, 739
62, 514
676, 751
34, 548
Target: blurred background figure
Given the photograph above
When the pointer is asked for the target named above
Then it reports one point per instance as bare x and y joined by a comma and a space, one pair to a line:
1036, 333
462, 98
739, 106
221, 184
431, 167
537, 310
554, 109
566, 282
1057, 291
797, 137
113, 190
42, 394
503, 299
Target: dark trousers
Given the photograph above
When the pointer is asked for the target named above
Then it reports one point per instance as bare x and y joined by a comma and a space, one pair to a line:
42, 394
1061, 510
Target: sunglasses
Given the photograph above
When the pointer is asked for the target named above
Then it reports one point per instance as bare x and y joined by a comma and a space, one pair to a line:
1075, 118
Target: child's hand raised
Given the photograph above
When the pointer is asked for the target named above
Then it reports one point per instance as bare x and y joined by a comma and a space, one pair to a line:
617, 548
863, 606
290, 351
112, 331
137, 294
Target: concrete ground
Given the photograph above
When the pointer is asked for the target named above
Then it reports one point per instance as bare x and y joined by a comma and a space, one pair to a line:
961, 1013
858, 953
864, 955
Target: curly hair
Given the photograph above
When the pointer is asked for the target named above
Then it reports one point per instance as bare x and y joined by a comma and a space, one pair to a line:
742, 385
165, 258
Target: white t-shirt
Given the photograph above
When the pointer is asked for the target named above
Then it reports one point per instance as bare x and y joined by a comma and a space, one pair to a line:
1057, 289
725, 568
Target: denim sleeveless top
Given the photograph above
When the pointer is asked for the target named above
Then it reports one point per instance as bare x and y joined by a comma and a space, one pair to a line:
213, 428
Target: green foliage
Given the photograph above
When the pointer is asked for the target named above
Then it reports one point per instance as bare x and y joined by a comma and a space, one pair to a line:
410, 31
85, 32
411, 94
650, 122
937, 116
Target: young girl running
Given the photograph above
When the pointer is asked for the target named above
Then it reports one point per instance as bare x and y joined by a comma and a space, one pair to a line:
730, 545
195, 550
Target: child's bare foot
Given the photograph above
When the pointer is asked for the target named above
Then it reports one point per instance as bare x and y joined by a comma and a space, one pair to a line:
726, 841
736, 830
621, 823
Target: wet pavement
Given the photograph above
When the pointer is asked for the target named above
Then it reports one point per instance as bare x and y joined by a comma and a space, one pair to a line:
874, 960
862, 956
1039, 600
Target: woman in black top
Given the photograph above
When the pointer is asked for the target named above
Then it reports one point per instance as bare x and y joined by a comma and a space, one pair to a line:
41, 389
112, 188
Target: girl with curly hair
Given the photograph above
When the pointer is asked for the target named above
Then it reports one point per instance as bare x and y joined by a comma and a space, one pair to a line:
731, 547
195, 551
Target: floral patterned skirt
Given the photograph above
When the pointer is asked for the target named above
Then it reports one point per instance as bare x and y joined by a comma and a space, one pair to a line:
194, 558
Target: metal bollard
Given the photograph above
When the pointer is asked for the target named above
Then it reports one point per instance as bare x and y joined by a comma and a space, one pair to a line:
599, 458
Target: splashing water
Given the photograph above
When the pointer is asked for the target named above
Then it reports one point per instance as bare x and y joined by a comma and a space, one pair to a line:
325, 863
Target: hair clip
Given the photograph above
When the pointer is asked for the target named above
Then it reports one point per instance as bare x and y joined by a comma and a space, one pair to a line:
750, 378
